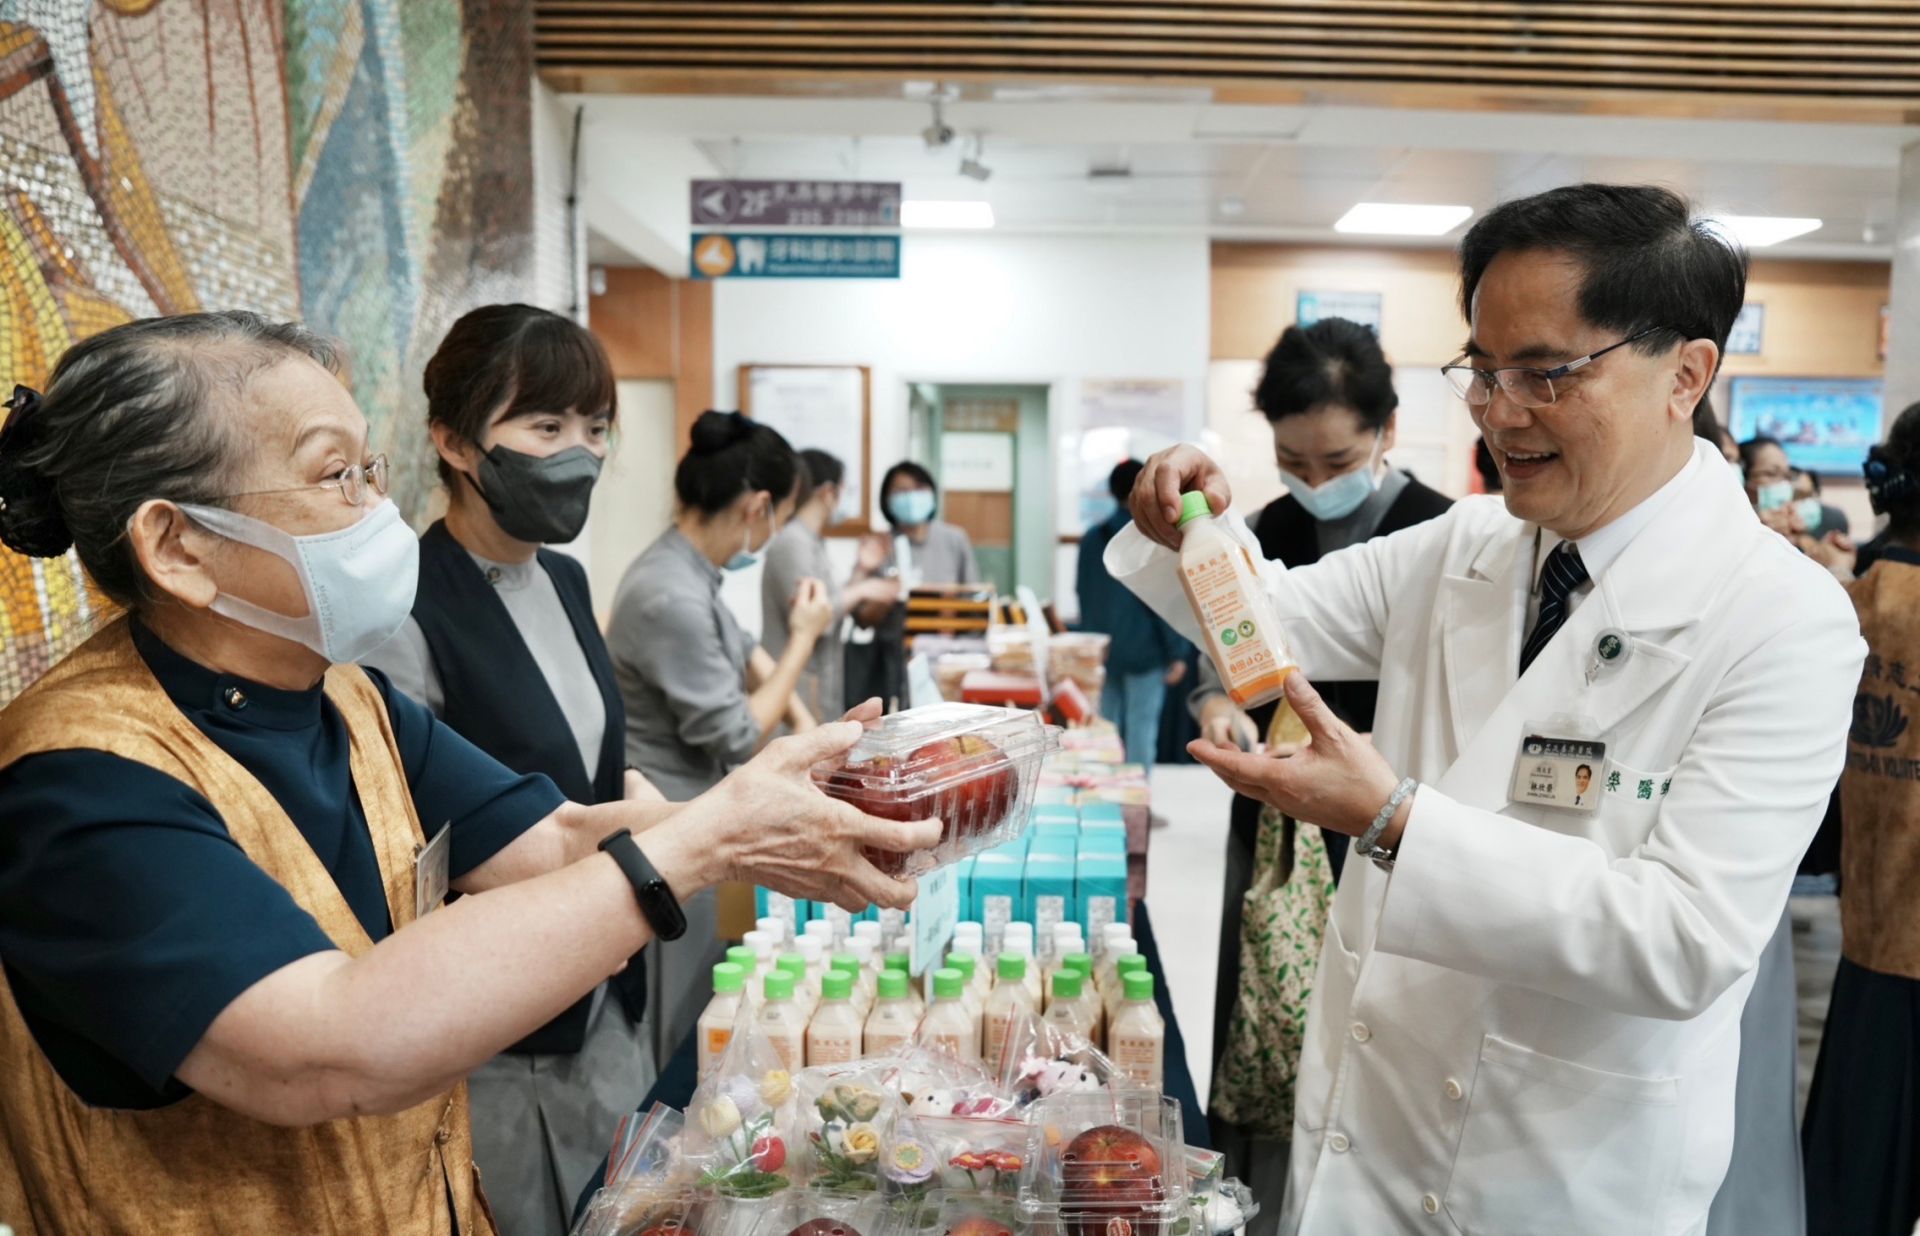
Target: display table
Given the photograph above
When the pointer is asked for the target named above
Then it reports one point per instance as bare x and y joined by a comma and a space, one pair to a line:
680, 1074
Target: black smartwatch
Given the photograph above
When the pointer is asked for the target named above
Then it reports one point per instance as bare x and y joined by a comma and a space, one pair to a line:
657, 902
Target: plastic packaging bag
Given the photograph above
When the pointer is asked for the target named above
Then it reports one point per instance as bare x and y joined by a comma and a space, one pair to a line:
1041, 1061
846, 1114
740, 1123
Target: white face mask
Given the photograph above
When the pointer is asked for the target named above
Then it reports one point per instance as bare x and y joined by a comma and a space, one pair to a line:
359, 581
1341, 496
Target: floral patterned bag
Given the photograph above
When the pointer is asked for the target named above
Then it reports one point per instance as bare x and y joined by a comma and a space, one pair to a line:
1283, 920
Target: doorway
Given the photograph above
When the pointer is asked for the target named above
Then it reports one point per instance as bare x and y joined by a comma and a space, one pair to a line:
990, 447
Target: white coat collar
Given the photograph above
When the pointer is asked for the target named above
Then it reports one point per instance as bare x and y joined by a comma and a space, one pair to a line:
1661, 584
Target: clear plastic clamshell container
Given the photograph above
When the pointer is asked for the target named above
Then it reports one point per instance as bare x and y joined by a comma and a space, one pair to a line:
640, 1208
1107, 1164
946, 1212
807, 1212
972, 766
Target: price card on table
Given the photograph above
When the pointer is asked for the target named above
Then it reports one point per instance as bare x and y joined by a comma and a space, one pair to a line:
935, 911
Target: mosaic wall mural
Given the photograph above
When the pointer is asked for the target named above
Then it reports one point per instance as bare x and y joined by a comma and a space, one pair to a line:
362, 164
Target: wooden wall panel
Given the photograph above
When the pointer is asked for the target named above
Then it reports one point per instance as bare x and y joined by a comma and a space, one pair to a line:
657, 327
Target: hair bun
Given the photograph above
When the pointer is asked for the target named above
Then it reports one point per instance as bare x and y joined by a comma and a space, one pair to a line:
30, 518
716, 431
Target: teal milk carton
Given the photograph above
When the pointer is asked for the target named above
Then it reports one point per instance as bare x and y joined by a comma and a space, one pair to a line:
995, 892
1101, 890
1049, 895
1103, 838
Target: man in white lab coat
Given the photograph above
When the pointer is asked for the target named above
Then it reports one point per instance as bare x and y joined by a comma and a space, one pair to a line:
1527, 1015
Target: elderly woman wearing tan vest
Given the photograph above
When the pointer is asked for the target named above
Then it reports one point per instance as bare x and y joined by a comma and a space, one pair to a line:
232, 1000
1861, 1138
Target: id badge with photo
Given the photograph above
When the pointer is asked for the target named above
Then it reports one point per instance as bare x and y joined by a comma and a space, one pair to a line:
430, 872
1561, 764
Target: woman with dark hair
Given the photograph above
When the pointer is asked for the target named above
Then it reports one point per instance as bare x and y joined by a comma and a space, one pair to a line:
799, 554
701, 696
502, 645
1327, 390
233, 1000
925, 550
1862, 1131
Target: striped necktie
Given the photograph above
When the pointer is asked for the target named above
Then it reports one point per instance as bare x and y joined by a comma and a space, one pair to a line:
1563, 573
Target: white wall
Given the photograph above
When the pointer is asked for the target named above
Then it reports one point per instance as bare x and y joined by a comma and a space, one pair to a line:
983, 307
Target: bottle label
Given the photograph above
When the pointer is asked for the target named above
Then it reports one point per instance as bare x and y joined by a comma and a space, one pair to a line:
832, 1048
881, 1041
713, 1045
1138, 1056
1242, 652
788, 1046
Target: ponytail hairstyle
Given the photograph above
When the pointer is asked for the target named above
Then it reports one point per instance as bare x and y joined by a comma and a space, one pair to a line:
733, 454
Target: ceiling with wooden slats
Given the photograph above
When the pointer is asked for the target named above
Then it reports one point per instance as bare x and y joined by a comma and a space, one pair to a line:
1859, 55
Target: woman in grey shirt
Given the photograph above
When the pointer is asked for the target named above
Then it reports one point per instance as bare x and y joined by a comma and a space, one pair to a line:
700, 695
925, 550
798, 554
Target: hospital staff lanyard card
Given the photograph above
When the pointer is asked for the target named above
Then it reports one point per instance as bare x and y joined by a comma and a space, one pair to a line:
1561, 765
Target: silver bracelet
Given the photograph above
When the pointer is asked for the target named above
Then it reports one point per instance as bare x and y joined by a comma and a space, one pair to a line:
1367, 845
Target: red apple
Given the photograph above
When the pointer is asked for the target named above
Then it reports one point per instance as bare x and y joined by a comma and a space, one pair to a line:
975, 1225
870, 786
1112, 1176
983, 784
825, 1227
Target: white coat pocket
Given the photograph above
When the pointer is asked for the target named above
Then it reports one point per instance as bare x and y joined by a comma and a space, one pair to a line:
1553, 1146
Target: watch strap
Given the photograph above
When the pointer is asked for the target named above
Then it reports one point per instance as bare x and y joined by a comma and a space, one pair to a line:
657, 902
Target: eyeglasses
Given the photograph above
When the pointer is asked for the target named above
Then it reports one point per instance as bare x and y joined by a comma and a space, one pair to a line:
352, 484
1530, 388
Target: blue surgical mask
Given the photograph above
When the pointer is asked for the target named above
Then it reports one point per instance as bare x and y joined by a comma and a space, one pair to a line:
748, 555
1773, 495
1809, 509
1341, 496
911, 507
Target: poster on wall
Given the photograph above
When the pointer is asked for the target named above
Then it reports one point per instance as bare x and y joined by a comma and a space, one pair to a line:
1744, 338
1362, 307
1120, 418
822, 407
1825, 424
976, 463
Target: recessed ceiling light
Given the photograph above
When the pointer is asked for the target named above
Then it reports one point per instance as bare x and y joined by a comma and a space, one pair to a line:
946, 214
1398, 219
1759, 231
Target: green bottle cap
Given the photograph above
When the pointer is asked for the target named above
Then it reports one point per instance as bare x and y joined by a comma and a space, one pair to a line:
728, 977
836, 986
948, 983
893, 984
791, 963
844, 961
1013, 967
1128, 964
1193, 505
744, 957
1083, 962
779, 986
1066, 985
1139, 985
899, 961
963, 964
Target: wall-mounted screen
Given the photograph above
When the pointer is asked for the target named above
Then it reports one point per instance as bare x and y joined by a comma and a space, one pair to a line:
1826, 424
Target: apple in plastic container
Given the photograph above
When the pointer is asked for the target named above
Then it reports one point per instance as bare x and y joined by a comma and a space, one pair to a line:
1111, 1184
974, 1225
981, 800
825, 1227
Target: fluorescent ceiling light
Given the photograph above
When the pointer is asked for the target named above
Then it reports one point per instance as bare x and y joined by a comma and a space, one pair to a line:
1395, 219
1759, 231
946, 214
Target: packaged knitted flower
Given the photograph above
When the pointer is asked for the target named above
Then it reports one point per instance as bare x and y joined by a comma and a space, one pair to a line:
981, 1155
741, 1121
844, 1116
647, 1189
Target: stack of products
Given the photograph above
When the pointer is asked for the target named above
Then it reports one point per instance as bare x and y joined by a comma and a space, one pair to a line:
1056, 1136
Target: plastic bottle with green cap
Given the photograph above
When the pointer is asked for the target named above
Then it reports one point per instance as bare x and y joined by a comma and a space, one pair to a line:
1116, 992
715, 1029
1082, 964
849, 965
781, 1020
950, 1024
894, 1017
1231, 607
1067, 1012
968, 966
903, 962
833, 1036
1010, 996
1137, 1041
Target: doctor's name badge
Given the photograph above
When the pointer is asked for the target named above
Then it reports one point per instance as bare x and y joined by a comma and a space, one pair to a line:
1564, 772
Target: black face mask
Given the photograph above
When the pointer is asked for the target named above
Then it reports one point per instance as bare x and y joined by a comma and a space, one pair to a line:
542, 500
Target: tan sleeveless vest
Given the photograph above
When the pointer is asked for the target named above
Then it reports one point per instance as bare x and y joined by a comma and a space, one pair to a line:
196, 1167
1880, 790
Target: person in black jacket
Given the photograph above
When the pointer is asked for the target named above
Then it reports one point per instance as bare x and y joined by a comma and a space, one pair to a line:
1328, 391
503, 646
